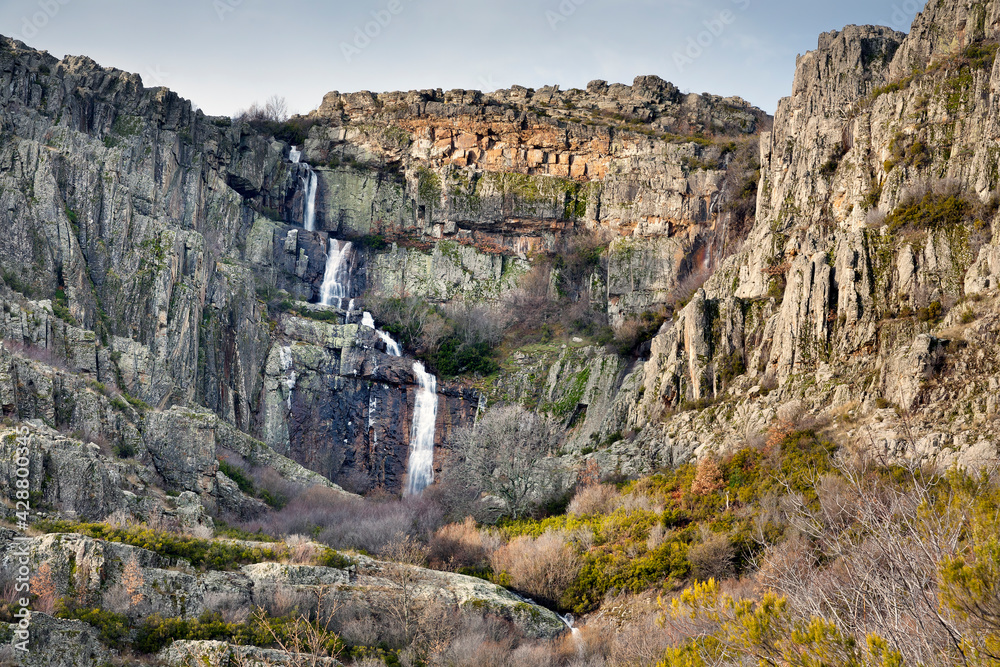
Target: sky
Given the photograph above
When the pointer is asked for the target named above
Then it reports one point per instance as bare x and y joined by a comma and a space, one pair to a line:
226, 54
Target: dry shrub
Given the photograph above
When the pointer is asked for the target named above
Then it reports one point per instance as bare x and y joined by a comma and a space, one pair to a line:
42, 355
640, 502
476, 650
301, 550
708, 478
631, 634
8, 587
232, 607
777, 434
120, 518
657, 537
44, 587
478, 640
369, 662
600, 499
285, 600
688, 286
350, 523
364, 631
713, 558
116, 599
133, 581
542, 567
461, 545
405, 549
589, 474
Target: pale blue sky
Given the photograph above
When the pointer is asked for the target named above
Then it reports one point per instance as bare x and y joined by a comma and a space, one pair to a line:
225, 54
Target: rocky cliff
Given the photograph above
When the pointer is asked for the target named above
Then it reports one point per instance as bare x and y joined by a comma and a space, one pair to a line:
863, 298
150, 244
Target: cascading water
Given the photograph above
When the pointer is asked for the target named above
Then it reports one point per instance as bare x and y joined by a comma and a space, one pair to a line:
391, 346
421, 466
310, 184
337, 278
573, 631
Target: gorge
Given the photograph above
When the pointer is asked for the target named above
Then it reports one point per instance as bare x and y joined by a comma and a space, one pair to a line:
459, 362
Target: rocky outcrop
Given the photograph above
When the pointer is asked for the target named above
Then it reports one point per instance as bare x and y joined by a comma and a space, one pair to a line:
92, 569
62, 643
828, 307
508, 172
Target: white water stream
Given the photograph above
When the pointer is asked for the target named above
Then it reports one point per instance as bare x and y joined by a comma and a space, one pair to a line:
337, 278
310, 183
391, 346
421, 466
336, 288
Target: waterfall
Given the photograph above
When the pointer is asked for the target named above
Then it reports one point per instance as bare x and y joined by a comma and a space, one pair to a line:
391, 346
337, 278
573, 631
421, 466
311, 183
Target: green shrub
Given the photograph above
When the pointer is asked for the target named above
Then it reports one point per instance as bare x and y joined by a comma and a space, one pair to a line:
981, 55
238, 476
112, 628
933, 212
932, 313
13, 281
156, 632
456, 357
208, 554
60, 307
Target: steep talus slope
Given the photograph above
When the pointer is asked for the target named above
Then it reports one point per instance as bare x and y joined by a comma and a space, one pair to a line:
863, 296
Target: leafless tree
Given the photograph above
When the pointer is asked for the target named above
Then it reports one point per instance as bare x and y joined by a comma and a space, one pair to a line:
274, 110
309, 642
505, 457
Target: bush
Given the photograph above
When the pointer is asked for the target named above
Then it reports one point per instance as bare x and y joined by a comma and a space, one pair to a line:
239, 476
542, 568
209, 554
713, 558
596, 499
461, 547
933, 212
112, 628
351, 523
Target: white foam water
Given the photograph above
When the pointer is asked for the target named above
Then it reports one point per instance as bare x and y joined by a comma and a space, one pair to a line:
421, 463
391, 346
337, 277
311, 182
285, 355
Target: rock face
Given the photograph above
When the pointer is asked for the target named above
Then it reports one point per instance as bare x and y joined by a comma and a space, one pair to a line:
91, 569
829, 306
507, 172
157, 241
335, 401
62, 643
